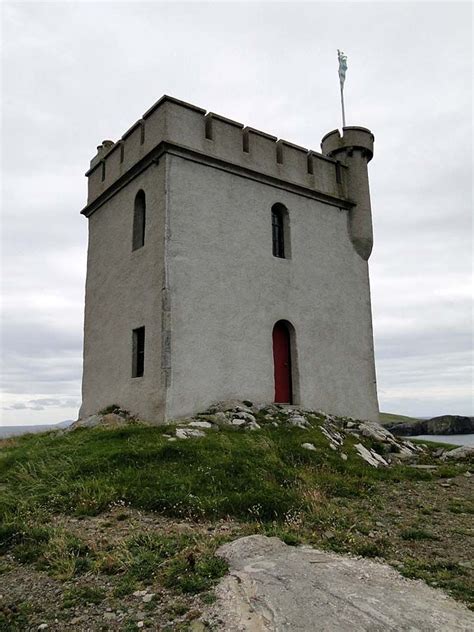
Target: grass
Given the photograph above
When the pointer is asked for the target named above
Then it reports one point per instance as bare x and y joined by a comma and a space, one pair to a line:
392, 418
260, 475
260, 482
417, 533
82, 595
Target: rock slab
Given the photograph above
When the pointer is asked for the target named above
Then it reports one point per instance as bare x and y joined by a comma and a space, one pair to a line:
278, 588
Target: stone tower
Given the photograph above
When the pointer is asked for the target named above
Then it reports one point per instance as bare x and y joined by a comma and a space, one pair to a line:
224, 263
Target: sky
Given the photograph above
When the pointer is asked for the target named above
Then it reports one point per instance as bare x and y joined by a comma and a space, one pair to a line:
75, 73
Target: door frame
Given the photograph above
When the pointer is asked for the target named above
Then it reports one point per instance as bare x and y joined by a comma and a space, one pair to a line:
293, 365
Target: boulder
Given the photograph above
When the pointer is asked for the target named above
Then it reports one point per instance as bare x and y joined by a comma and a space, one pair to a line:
187, 433
463, 452
109, 420
370, 456
200, 424
299, 421
273, 587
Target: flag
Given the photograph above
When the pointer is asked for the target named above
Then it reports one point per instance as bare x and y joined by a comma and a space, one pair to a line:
342, 66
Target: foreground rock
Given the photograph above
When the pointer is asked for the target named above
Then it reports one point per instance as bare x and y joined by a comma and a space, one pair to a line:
114, 418
278, 588
458, 454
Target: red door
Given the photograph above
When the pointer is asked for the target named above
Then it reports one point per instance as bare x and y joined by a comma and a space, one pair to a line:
282, 363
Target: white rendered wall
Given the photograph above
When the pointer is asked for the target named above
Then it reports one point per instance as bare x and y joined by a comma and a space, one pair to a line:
123, 292
228, 290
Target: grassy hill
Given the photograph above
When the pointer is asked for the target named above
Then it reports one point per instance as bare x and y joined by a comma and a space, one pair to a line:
94, 521
392, 418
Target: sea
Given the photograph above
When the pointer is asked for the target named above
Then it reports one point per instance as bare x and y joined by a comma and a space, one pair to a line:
456, 439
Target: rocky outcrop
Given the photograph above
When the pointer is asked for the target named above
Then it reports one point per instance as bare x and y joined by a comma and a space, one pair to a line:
458, 454
368, 440
112, 417
272, 587
442, 425
382, 450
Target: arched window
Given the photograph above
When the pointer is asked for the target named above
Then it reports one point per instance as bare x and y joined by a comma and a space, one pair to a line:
139, 214
279, 228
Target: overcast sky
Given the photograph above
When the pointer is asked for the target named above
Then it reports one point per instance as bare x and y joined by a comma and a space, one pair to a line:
75, 73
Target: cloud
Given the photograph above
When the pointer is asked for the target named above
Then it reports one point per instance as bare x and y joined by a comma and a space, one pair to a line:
43, 403
76, 73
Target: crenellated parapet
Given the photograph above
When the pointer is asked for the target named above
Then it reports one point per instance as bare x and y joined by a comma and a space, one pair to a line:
173, 126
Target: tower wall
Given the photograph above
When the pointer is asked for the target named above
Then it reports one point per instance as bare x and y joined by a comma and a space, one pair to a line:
228, 291
123, 292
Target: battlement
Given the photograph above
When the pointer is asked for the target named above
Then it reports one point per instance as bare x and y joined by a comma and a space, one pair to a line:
171, 125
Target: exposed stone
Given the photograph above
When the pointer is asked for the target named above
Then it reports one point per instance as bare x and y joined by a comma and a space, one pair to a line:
244, 415
88, 422
308, 446
253, 425
229, 405
238, 422
109, 420
463, 452
370, 456
373, 430
186, 433
299, 421
200, 424
333, 435
148, 597
273, 587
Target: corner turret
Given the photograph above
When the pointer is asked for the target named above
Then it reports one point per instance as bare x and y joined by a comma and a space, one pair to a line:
355, 149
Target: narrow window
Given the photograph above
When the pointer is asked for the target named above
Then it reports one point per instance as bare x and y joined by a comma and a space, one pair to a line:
139, 221
102, 172
138, 352
245, 141
278, 230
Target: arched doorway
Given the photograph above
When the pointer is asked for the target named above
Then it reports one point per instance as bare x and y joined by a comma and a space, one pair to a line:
282, 363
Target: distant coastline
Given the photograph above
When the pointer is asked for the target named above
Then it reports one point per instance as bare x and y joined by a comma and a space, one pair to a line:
413, 427
16, 431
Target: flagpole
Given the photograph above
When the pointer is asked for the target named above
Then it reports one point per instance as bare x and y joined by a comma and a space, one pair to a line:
342, 106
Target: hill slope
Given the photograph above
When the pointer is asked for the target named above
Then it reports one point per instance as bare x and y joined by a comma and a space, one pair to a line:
106, 527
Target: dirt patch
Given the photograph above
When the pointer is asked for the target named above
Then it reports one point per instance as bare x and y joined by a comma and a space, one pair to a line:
107, 599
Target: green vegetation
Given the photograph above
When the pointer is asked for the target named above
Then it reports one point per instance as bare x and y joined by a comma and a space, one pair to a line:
82, 595
257, 476
417, 533
113, 511
392, 418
